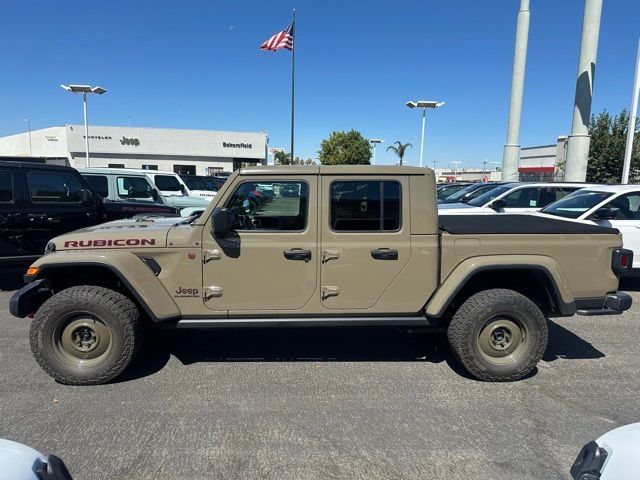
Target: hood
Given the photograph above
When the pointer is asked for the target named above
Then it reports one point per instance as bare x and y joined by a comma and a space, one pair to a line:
131, 233
185, 201
459, 206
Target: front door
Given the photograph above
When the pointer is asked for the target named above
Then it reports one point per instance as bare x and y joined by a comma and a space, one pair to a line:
269, 260
365, 239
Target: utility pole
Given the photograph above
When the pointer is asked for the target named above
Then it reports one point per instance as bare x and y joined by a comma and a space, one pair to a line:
455, 170
631, 127
511, 155
578, 143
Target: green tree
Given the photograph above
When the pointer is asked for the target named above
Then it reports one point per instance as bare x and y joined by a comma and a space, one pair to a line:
399, 149
282, 158
606, 151
345, 148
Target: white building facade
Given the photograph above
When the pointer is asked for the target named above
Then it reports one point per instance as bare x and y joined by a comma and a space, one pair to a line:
195, 152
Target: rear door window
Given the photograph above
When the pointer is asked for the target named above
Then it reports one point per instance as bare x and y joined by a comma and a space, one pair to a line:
6, 186
53, 187
100, 184
365, 206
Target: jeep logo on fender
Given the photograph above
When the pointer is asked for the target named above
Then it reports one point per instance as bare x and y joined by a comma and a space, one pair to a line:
186, 292
130, 141
119, 242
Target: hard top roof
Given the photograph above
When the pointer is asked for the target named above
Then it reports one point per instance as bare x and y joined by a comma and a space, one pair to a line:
34, 165
334, 170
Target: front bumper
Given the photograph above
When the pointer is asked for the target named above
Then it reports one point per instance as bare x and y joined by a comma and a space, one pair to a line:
612, 304
29, 298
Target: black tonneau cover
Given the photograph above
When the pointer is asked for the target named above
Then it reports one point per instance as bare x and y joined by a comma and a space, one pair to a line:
515, 224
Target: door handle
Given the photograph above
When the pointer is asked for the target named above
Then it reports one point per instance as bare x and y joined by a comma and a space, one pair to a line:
384, 254
297, 254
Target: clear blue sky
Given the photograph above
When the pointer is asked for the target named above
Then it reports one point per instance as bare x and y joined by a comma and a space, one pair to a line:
196, 64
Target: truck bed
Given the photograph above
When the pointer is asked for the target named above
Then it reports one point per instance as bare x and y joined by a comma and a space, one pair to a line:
481, 224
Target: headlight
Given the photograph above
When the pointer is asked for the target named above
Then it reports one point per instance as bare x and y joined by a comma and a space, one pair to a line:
50, 248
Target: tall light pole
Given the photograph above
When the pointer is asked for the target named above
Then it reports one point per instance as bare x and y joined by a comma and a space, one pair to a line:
578, 142
374, 142
511, 153
28, 120
455, 170
434, 164
423, 104
631, 127
84, 89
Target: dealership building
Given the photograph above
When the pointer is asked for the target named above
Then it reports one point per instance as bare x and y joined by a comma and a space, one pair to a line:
196, 152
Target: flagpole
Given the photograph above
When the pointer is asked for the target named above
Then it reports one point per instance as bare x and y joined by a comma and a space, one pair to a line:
293, 80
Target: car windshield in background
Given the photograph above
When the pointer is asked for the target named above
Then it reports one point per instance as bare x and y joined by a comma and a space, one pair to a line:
447, 190
574, 205
488, 196
167, 183
199, 183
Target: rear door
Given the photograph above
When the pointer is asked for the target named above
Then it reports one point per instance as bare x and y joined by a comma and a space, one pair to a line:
11, 232
269, 260
53, 207
365, 241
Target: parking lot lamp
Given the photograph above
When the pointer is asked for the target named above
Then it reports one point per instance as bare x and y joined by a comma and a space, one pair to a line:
28, 120
84, 89
374, 142
423, 104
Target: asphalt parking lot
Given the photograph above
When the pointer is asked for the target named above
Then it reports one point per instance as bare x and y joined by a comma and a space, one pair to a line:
329, 403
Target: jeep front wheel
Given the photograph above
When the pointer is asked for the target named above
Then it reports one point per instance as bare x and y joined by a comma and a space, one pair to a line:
498, 335
85, 335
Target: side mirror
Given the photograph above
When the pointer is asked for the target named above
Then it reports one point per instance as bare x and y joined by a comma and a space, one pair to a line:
154, 194
220, 222
498, 204
86, 197
604, 213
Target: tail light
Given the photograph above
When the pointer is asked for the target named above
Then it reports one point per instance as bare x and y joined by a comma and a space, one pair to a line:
621, 261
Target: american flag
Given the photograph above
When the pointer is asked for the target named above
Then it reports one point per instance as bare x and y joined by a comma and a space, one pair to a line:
283, 39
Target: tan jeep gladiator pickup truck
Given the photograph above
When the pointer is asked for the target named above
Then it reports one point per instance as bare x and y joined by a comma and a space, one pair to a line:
319, 246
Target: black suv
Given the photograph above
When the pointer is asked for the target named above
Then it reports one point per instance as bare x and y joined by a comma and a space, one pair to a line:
40, 201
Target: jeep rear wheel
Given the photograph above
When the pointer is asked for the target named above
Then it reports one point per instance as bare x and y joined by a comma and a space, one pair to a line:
85, 335
498, 335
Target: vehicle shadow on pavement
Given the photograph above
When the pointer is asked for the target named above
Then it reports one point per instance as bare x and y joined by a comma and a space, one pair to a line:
321, 345
343, 344
11, 279
564, 343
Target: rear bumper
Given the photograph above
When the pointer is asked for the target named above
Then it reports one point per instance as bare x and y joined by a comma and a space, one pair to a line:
29, 298
611, 304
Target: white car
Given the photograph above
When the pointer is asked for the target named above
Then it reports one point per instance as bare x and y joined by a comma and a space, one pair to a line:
613, 456
513, 198
616, 206
200, 185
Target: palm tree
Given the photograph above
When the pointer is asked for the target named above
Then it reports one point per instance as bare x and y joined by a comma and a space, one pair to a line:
281, 158
399, 149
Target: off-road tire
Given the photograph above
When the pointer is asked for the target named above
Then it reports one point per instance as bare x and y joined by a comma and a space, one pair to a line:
116, 313
482, 311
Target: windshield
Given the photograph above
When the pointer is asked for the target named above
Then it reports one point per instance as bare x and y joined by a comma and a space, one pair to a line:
486, 197
199, 183
447, 190
577, 203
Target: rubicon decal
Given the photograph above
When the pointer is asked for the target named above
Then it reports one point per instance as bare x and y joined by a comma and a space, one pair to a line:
118, 242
